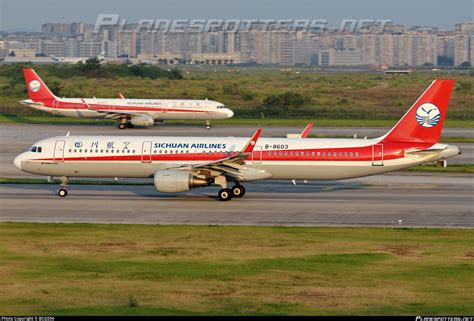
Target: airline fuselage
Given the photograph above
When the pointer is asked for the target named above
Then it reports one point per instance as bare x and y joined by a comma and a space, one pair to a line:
282, 158
158, 109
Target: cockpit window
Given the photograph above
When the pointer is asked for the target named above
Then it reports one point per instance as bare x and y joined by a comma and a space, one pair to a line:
36, 149
221, 107
33, 149
39, 150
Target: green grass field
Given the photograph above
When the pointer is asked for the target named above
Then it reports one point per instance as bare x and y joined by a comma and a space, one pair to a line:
20, 119
84, 269
280, 93
456, 168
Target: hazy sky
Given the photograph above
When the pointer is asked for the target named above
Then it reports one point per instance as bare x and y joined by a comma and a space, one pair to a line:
30, 14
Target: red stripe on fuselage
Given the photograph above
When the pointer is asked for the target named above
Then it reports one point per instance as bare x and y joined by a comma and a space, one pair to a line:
391, 151
95, 107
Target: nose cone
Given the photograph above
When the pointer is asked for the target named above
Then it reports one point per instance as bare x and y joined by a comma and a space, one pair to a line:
229, 113
17, 161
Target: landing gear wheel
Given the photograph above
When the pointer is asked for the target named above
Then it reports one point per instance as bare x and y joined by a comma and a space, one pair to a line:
208, 125
225, 194
122, 126
238, 191
62, 192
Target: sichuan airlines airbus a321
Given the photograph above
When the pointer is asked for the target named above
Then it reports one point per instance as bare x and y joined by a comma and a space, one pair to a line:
128, 112
178, 164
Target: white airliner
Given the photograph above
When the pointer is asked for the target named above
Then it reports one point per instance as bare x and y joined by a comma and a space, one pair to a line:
100, 57
128, 112
178, 164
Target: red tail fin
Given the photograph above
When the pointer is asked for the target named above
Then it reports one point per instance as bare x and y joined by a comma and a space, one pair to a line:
37, 90
424, 120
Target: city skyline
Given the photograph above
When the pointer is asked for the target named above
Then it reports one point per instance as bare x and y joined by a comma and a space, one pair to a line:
29, 15
392, 45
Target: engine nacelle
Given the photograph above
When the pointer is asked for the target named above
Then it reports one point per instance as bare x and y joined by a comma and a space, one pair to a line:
173, 181
142, 120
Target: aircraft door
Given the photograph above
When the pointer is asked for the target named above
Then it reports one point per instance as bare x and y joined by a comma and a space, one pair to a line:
257, 155
59, 150
377, 155
146, 152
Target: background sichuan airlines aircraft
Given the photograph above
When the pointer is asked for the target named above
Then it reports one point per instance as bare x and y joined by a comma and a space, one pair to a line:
178, 164
129, 112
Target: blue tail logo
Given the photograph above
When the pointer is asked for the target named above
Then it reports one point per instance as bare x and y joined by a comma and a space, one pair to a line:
428, 115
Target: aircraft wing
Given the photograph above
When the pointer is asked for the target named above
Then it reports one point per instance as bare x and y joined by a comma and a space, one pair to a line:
115, 114
111, 113
233, 166
31, 103
240, 156
424, 152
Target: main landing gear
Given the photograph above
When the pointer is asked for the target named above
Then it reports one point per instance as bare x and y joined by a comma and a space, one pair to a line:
124, 123
208, 124
227, 194
63, 187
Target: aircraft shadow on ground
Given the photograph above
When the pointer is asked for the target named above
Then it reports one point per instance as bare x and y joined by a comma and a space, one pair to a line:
148, 191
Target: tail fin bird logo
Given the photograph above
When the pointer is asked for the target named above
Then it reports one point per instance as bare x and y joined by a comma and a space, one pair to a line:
35, 85
428, 115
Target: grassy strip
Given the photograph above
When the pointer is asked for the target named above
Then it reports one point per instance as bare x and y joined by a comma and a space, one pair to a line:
93, 269
456, 139
462, 168
18, 119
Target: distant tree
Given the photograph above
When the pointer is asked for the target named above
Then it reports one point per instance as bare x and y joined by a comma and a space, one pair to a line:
176, 73
55, 86
248, 95
91, 67
93, 63
283, 104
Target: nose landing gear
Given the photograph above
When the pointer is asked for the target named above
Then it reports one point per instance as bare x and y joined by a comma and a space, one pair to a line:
63, 187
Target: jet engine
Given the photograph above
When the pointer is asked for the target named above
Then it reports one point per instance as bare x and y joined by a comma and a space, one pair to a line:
173, 181
142, 120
